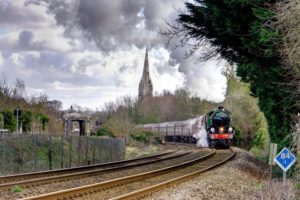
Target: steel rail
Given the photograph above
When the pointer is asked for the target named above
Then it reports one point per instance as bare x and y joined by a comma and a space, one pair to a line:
184, 144
93, 188
67, 177
154, 188
47, 173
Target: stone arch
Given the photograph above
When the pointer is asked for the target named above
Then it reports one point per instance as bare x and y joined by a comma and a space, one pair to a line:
82, 119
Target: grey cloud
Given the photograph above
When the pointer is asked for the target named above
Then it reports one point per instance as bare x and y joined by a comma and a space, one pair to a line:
119, 82
123, 68
153, 13
44, 61
177, 55
25, 42
129, 68
110, 24
25, 39
63, 11
45, 69
164, 67
113, 24
158, 12
13, 15
85, 62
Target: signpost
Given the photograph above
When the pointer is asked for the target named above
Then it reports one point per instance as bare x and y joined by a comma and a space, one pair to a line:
285, 159
273, 152
272, 155
17, 113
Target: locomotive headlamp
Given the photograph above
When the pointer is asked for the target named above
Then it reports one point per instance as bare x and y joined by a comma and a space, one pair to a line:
230, 129
221, 129
212, 129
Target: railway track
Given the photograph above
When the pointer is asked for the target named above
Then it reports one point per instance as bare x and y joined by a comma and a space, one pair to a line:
138, 185
143, 192
48, 173
42, 178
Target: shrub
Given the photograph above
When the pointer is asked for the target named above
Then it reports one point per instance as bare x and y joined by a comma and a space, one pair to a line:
9, 120
16, 189
143, 136
26, 119
104, 131
298, 186
237, 137
259, 138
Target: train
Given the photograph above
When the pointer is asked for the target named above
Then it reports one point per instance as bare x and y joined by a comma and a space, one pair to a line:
218, 127
210, 130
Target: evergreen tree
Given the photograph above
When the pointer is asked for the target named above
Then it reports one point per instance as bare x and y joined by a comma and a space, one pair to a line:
26, 119
9, 120
236, 30
44, 120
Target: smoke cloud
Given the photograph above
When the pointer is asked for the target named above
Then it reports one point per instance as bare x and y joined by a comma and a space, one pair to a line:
201, 135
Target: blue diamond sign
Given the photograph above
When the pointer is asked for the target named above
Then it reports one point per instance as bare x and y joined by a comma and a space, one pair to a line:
285, 159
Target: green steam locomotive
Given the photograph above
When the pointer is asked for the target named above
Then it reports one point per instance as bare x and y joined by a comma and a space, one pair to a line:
218, 127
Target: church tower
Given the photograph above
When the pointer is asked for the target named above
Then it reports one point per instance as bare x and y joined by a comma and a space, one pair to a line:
145, 86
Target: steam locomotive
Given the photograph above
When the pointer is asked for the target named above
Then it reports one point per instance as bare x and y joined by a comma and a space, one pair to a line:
219, 130
212, 129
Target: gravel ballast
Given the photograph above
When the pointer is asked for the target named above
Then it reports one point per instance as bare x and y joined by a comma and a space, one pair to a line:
242, 178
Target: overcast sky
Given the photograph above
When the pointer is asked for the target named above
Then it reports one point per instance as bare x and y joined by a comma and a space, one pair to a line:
91, 51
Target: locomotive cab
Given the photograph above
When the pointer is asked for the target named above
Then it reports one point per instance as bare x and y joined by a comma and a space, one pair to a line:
218, 127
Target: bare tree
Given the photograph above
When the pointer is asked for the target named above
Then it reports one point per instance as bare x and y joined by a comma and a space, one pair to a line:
288, 23
179, 34
109, 108
55, 104
4, 89
19, 90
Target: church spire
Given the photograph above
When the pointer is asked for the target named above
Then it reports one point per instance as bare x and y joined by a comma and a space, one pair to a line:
145, 86
146, 65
